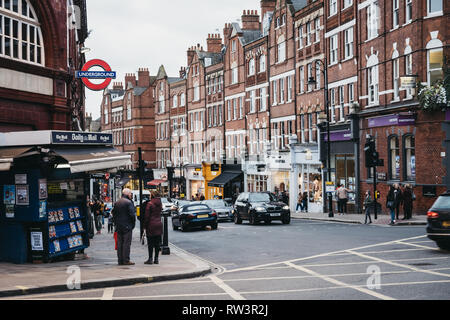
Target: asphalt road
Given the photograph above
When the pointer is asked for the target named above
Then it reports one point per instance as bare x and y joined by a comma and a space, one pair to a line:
304, 260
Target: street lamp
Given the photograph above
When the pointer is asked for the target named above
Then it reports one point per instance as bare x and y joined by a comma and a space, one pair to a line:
312, 81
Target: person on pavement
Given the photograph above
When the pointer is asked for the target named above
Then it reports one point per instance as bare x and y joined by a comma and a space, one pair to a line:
97, 208
342, 197
367, 206
398, 200
153, 227
392, 200
124, 215
408, 199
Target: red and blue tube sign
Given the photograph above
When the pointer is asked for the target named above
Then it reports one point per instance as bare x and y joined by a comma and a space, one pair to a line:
106, 74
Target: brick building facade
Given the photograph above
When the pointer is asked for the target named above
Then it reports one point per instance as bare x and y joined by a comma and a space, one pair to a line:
39, 54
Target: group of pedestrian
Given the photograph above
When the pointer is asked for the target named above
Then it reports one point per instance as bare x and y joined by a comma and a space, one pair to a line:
124, 215
198, 197
398, 197
395, 199
302, 202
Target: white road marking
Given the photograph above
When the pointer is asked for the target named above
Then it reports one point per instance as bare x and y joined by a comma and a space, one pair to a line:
340, 283
320, 255
108, 294
219, 282
400, 265
417, 245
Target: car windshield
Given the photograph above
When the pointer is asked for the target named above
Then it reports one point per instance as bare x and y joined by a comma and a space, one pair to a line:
260, 197
442, 203
216, 203
196, 207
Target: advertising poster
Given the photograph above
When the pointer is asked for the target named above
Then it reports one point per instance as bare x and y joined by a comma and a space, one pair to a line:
43, 189
22, 195
9, 211
42, 209
37, 243
20, 179
9, 194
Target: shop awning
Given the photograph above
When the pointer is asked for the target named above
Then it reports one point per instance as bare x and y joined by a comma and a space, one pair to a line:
93, 158
223, 179
156, 182
7, 156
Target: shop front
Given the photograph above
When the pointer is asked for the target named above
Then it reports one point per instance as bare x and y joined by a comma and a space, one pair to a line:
210, 172
230, 180
343, 163
255, 176
306, 176
45, 178
195, 184
159, 182
278, 168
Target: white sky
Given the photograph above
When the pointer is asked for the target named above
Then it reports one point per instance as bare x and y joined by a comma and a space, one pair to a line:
135, 34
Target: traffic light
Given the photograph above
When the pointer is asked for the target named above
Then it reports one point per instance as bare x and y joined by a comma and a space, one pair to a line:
377, 195
372, 157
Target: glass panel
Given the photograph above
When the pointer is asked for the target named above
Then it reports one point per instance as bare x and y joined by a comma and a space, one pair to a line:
8, 46
16, 6
32, 56
15, 29
8, 4
434, 5
16, 49
436, 59
32, 34
24, 8
1, 25
436, 76
39, 60
7, 26
24, 32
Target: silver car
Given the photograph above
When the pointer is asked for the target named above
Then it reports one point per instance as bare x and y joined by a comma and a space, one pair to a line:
223, 209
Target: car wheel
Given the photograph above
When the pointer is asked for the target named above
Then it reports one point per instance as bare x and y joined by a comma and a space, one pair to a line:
174, 227
214, 226
268, 221
444, 245
183, 227
287, 220
237, 219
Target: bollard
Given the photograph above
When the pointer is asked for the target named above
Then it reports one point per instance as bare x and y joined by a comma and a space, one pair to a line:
165, 250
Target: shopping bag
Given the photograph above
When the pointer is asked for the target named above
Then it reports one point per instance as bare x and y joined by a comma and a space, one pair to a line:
115, 239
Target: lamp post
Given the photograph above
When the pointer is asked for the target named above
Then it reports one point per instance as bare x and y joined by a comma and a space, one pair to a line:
312, 81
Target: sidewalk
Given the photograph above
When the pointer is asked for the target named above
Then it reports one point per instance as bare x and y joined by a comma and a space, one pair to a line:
99, 270
382, 219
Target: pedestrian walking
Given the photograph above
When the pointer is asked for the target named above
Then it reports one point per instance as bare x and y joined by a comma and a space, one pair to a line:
153, 227
408, 198
367, 206
97, 208
392, 199
342, 197
398, 200
124, 215
110, 223
299, 202
305, 202
89, 206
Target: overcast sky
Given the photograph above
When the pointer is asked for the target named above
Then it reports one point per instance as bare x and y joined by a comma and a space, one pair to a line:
137, 34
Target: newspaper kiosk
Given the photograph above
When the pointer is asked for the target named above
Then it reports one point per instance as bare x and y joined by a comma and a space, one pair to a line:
45, 180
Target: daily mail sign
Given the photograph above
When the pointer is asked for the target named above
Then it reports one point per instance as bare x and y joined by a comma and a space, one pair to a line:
60, 137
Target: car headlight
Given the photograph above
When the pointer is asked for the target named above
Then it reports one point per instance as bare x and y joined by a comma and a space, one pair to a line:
260, 209
286, 208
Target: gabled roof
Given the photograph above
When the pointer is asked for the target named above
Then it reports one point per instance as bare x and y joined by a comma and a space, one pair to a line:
214, 56
161, 73
137, 91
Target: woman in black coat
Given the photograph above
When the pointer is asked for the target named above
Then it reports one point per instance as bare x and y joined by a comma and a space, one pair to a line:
153, 227
407, 202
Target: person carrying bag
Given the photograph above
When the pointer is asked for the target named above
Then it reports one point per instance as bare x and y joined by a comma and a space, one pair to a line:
153, 227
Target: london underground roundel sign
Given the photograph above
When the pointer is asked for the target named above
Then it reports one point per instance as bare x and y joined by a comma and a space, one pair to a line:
107, 74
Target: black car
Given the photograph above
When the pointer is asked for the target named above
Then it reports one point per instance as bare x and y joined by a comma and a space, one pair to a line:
260, 206
438, 228
223, 209
194, 216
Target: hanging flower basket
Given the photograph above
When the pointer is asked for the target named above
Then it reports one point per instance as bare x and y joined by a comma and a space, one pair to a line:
433, 98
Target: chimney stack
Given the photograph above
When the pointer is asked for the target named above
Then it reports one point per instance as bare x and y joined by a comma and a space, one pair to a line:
143, 78
117, 86
190, 55
130, 77
182, 72
227, 31
267, 6
250, 20
214, 42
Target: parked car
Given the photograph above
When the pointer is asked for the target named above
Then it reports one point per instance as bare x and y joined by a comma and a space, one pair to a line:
166, 204
223, 209
194, 216
438, 228
260, 206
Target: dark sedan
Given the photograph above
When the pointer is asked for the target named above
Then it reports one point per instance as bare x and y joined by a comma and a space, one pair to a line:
260, 206
194, 216
438, 228
223, 209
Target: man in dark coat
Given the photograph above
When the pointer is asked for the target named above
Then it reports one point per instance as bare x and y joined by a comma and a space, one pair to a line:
124, 214
407, 202
153, 227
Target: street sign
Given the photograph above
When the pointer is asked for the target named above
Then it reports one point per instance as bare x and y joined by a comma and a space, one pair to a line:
408, 82
85, 74
329, 186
